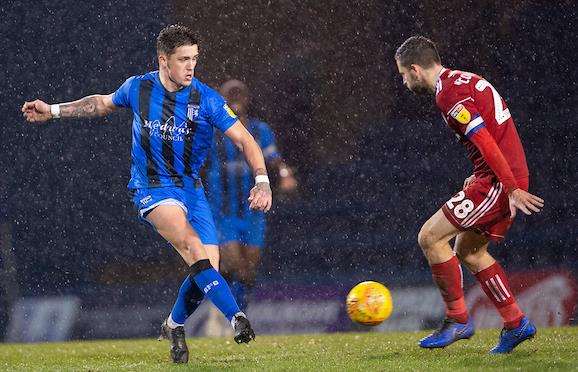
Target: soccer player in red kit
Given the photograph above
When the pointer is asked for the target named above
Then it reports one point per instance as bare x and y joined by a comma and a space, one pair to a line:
484, 209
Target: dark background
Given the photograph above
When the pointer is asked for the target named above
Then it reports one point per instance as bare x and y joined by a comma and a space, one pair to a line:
373, 161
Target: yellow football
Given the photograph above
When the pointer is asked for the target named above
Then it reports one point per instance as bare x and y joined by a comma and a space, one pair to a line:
369, 303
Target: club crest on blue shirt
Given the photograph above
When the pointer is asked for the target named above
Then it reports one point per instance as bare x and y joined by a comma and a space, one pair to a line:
192, 111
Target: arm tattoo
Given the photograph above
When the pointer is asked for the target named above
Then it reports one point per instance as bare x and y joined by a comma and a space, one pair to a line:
86, 107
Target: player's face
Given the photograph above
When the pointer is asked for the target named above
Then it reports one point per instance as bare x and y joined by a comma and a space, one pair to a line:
413, 78
237, 99
181, 64
240, 106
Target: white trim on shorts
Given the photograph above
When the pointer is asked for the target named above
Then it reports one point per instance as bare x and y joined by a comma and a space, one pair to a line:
169, 201
487, 204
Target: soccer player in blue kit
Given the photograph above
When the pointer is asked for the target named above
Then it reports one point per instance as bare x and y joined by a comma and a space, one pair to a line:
241, 230
172, 132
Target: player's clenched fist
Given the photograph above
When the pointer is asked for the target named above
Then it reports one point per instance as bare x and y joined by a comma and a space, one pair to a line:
260, 197
36, 111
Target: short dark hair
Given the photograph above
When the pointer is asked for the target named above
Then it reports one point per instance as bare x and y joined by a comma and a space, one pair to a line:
174, 36
417, 50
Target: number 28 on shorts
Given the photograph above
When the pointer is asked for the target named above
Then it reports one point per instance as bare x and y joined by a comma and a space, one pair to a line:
460, 206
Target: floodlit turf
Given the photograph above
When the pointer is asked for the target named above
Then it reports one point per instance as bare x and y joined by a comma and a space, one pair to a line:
555, 348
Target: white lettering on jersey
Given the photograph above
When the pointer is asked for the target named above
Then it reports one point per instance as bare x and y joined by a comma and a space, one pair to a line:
464, 77
500, 113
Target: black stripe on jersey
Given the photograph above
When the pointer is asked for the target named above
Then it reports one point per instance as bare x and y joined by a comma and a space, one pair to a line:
223, 160
194, 99
256, 132
146, 87
239, 178
168, 115
206, 167
241, 196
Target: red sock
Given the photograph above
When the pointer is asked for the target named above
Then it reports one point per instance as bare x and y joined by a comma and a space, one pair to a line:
495, 284
448, 277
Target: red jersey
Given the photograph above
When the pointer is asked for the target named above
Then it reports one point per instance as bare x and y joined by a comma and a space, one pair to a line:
478, 114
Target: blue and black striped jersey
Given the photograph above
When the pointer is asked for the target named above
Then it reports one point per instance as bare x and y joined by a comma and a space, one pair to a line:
172, 132
229, 179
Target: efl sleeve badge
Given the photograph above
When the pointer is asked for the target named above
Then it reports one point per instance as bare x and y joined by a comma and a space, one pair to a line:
229, 111
461, 114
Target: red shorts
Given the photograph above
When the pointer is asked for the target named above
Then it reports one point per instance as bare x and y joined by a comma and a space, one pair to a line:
482, 207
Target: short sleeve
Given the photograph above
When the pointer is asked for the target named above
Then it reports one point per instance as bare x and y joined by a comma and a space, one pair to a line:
221, 114
461, 113
121, 98
267, 142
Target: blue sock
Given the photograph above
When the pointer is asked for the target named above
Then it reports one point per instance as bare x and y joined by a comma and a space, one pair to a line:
189, 298
238, 289
215, 287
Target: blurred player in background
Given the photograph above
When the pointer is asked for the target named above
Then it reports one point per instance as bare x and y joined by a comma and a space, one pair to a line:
172, 132
241, 229
484, 210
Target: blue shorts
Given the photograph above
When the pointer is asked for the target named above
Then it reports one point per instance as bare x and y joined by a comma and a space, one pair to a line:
248, 231
191, 199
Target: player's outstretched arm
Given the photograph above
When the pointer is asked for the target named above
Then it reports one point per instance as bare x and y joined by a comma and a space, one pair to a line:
261, 196
87, 107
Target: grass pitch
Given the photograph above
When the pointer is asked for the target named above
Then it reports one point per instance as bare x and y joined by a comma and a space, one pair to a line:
555, 348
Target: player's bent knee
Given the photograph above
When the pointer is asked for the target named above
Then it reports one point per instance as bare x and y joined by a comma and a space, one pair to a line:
426, 238
189, 241
180, 243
